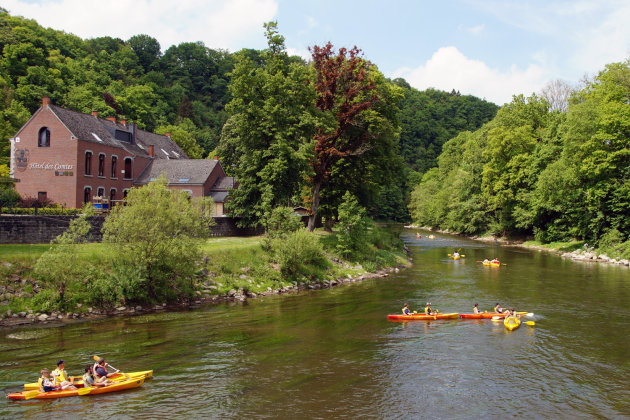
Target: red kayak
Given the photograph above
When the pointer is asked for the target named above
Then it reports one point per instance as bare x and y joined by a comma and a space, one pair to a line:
423, 317
487, 315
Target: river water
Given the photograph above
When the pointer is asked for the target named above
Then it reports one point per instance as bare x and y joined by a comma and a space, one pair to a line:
333, 354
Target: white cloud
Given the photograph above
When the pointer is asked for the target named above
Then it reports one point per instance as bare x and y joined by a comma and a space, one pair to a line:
449, 69
228, 24
300, 52
475, 30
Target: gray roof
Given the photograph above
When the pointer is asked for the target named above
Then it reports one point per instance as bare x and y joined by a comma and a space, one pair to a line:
219, 197
223, 183
183, 172
99, 131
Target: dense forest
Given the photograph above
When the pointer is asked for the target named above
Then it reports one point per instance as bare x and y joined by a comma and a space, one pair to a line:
192, 91
535, 170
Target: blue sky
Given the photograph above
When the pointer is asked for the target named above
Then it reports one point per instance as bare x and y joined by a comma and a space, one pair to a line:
492, 49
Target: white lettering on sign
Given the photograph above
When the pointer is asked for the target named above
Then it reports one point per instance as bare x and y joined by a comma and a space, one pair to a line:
50, 166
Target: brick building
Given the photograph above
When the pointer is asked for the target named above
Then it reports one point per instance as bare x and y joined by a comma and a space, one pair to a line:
69, 158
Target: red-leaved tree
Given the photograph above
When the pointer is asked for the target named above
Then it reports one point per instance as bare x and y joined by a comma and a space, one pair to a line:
344, 91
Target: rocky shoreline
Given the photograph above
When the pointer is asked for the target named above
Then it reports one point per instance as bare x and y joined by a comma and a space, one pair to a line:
203, 296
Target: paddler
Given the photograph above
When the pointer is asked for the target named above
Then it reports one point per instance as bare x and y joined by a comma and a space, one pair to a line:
512, 314
45, 382
88, 378
100, 372
495, 261
405, 309
62, 381
455, 254
498, 309
476, 309
429, 311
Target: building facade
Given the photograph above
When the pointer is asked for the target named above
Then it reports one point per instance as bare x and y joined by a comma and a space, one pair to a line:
71, 158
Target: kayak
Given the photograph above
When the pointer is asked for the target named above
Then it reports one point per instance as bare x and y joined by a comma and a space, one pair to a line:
492, 264
423, 317
488, 315
144, 374
431, 236
512, 323
455, 257
119, 386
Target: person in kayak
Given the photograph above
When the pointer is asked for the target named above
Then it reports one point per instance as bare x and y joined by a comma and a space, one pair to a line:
405, 309
495, 261
429, 311
476, 309
498, 309
100, 372
61, 377
512, 314
46, 383
486, 261
455, 254
88, 378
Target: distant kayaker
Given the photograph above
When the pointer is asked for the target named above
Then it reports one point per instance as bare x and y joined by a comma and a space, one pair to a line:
100, 371
486, 261
455, 254
429, 311
498, 309
512, 314
495, 261
476, 309
405, 309
61, 377
46, 383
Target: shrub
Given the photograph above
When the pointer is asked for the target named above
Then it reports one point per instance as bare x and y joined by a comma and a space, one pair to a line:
299, 254
282, 221
353, 226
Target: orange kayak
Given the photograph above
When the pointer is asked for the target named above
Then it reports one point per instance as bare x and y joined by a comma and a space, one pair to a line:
119, 386
489, 315
423, 317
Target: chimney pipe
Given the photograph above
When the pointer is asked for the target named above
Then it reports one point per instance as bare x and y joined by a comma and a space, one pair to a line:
95, 113
123, 122
112, 119
168, 134
45, 101
216, 157
151, 150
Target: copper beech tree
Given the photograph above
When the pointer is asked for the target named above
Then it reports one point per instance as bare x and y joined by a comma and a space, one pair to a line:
344, 91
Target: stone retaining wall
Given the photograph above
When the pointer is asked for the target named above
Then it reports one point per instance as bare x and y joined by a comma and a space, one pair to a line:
30, 229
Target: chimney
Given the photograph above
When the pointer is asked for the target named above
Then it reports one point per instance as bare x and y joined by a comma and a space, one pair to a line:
216, 157
123, 122
112, 119
95, 113
168, 134
45, 101
151, 150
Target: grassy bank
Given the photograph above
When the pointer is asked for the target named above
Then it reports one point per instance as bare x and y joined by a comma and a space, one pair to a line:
232, 264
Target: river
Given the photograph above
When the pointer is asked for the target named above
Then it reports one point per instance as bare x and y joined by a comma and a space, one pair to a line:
333, 354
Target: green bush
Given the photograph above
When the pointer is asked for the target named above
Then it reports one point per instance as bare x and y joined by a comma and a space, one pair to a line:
353, 226
283, 221
46, 211
46, 300
299, 255
612, 244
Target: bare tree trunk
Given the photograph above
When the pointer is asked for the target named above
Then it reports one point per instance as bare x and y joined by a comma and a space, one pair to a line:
311, 218
328, 224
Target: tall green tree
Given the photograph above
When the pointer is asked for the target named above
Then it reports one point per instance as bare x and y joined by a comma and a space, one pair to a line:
268, 136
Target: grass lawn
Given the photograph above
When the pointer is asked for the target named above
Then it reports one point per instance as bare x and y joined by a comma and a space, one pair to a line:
567, 246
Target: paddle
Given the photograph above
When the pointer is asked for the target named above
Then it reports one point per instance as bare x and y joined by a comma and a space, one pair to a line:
31, 394
529, 322
85, 390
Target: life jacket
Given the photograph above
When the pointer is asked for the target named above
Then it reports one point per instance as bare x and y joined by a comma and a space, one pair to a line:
427, 310
60, 375
406, 311
498, 309
96, 375
42, 382
475, 310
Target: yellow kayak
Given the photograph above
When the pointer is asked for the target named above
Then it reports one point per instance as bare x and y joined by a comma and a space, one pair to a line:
78, 382
511, 323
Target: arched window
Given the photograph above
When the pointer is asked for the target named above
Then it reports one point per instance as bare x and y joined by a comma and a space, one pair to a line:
100, 192
114, 159
112, 196
87, 194
101, 164
44, 137
88, 163
128, 168
125, 191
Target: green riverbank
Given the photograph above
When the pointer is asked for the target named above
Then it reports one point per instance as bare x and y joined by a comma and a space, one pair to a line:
234, 268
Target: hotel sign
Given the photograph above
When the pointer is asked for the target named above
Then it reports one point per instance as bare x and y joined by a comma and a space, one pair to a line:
22, 158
